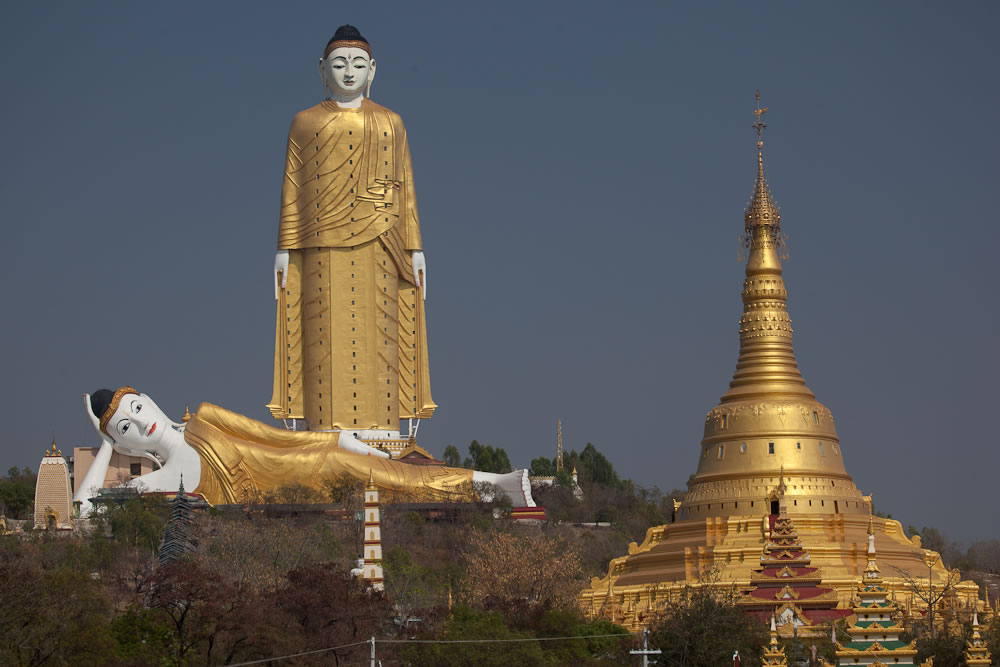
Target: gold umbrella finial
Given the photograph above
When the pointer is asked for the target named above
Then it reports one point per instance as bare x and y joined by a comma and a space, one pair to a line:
759, 126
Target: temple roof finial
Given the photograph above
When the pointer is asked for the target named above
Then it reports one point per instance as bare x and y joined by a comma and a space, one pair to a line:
759, 126
371, 479
761, 210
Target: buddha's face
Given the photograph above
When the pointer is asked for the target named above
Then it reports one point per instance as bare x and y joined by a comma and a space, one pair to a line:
346, 71
137, 425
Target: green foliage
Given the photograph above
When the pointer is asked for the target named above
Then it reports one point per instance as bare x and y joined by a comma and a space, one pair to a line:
137, 522
598, 469
946, 649
467, 623
564, 479
704, 628
451, 457
141, 637
486, 459
17, 493
409, 585
542, 467
569, 623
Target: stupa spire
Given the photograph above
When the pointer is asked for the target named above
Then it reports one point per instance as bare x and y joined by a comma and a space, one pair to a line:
767, 367
768, 427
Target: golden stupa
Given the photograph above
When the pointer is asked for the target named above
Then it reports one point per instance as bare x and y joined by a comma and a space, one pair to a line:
769, 448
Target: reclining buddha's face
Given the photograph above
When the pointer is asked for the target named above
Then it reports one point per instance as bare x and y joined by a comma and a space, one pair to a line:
137, 425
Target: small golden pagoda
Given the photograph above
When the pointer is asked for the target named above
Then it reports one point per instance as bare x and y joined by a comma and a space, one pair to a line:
769, 448
53, 493
774, 653
873, 628
976, 651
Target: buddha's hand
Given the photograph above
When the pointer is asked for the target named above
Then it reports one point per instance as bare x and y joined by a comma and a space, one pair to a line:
280, 267
420, 271
94, 421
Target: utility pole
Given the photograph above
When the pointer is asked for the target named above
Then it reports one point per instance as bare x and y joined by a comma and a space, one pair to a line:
645, 652
373, 652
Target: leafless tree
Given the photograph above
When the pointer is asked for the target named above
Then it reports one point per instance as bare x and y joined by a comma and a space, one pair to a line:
930, 593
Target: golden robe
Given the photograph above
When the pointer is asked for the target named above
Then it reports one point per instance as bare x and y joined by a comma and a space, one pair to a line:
241, 458
350, 341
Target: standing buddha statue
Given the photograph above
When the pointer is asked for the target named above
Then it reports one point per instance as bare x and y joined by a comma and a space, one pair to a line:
350, 275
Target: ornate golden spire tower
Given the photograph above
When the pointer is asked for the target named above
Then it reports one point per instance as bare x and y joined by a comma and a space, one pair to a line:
770, 453
769, 420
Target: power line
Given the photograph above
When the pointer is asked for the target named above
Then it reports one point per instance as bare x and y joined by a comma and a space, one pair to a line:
296, 655
431, 641
495, 641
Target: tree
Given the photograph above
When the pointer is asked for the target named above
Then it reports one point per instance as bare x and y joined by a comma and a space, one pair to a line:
408, 585
487, 459
17, 493
542, 467
50, 615
325, 606
254, 553
293, 493
452, 457
704, 627
932, 593
598, 467
208, 617
137, 522
467, 623
513, 574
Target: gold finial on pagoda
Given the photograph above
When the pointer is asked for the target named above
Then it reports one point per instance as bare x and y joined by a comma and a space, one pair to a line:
187, 414
871, 524
759, 126
761, 210
53, 451
371, 480
559, 446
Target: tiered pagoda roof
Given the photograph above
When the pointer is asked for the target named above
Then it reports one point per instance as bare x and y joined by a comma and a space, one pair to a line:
874, 631
785, 586
177, 538
976, 651
774, 653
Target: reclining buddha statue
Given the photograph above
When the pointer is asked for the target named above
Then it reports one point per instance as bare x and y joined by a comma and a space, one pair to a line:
230, 458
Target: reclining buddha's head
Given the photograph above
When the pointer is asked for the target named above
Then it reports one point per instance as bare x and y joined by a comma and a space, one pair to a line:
132, 421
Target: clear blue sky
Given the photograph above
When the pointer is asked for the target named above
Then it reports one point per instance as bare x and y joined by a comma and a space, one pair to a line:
581, 170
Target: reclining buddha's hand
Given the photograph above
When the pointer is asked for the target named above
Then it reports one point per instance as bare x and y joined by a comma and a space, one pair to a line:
98, 470
94, 421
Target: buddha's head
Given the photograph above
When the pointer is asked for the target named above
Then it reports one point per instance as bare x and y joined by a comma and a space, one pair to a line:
347, 66
132, 421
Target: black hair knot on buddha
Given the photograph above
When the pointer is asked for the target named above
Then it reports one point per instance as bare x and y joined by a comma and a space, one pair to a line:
347, 33
100, 400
